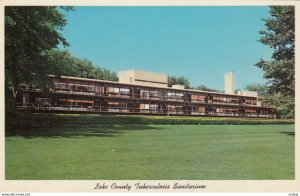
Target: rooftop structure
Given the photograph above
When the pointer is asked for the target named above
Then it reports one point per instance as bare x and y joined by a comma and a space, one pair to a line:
229, 83
248, 93
143, 78
178, 86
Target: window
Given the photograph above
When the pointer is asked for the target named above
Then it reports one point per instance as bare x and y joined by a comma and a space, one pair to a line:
124, 91
144, 94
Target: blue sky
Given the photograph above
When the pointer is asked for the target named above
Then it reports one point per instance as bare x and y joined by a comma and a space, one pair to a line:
200, 43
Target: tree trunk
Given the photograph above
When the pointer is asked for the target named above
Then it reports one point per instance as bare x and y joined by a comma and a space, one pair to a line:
15, 92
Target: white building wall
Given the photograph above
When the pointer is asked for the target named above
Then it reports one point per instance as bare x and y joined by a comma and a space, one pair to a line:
143, 78
178, 86
126, 76
250, 93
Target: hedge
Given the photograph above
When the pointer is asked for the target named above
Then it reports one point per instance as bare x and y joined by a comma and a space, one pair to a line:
57, 120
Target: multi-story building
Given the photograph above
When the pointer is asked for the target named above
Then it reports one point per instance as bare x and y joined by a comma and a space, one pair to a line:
137, 92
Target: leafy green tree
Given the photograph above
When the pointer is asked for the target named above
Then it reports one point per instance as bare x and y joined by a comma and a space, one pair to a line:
30, 31
261, 89
77, 67
31, 36
178, 80
280, 70
282, 104
204, 88
109, 75
184, 81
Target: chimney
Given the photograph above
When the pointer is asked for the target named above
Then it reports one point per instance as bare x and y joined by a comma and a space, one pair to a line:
229, 83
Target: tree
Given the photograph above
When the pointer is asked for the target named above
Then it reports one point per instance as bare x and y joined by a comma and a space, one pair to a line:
277, 100
30, 32
178, 80
108, 75
283, 104
184, 81
69, 65
261, 89
280, 70
204, 88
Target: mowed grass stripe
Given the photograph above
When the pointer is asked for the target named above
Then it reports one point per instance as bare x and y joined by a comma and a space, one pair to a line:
150, 152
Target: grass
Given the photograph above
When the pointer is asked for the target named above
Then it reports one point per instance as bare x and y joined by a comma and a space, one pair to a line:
151, 152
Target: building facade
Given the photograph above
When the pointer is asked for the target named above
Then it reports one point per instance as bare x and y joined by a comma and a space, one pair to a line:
82, 95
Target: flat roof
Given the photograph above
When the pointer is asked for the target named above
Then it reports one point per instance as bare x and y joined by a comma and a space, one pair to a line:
128, 84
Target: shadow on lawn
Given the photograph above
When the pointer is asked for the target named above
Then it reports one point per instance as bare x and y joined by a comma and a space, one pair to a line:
78, 131
290, 133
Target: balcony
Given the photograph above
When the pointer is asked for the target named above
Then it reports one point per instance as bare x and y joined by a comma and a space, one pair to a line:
100, 109
260, 115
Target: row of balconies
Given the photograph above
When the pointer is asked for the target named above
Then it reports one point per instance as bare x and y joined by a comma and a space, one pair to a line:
87, 92
165, 98
178, 111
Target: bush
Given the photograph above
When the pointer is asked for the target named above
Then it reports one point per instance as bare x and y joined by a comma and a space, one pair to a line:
27, 120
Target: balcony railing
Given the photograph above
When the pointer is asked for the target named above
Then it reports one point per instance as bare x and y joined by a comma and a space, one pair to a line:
136, 96
101, 109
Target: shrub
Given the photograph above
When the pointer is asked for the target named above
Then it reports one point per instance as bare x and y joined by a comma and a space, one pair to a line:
28, 120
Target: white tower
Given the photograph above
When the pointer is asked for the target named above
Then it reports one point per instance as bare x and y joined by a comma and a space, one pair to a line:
229, 83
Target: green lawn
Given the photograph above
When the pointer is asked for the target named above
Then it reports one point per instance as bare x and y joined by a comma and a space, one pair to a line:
151, 152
